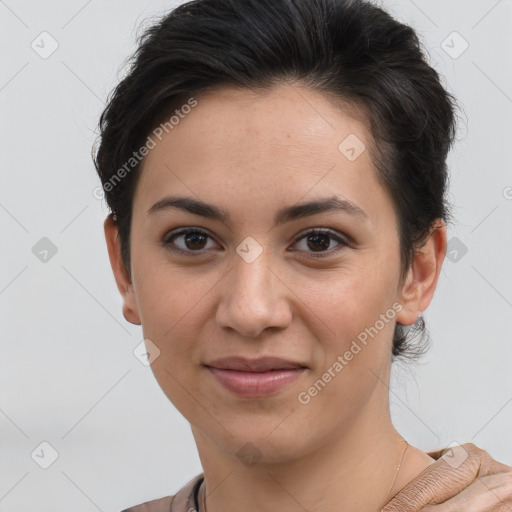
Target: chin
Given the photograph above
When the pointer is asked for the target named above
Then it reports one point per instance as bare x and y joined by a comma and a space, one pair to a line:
263, 443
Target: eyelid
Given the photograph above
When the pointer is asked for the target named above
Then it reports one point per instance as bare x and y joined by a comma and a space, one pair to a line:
321, 230
342, 240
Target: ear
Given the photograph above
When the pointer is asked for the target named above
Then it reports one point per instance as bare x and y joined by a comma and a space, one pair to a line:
123, 281
422, 276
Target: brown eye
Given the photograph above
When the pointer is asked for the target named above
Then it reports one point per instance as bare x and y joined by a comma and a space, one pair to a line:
195, 240
188, 241
319, 241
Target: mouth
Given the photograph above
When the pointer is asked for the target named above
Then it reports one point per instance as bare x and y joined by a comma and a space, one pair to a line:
255, 378
262, 364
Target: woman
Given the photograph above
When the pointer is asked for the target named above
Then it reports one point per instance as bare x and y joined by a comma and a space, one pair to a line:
276, 172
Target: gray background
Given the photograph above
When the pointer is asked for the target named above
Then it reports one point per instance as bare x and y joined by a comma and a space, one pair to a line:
68, 375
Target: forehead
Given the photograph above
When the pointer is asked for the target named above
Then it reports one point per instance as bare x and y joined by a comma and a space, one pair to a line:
241, 121
238, 147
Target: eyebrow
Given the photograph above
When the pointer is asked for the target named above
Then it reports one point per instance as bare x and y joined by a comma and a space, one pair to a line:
286, 214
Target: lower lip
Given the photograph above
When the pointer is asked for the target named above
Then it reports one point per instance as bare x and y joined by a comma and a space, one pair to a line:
255, 384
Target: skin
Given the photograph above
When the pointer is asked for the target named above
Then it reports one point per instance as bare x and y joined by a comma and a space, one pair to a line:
252, 155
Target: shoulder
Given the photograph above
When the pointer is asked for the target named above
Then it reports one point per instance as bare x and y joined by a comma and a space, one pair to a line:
454, 469
182, 501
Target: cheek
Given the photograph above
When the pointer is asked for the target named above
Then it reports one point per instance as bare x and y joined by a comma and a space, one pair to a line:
167, 296
172, 309
350, 301
351, 363
173, 315
354, 335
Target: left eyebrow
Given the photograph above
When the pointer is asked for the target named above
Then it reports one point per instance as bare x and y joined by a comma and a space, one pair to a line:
320, 205
286, 214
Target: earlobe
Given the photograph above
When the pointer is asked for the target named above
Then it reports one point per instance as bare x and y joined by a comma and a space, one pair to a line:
123, 281
422, 276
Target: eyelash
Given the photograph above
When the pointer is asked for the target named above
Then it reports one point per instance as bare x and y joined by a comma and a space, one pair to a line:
167, 242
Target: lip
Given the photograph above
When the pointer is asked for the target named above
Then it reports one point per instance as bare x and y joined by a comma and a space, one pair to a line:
254, 378
260, 364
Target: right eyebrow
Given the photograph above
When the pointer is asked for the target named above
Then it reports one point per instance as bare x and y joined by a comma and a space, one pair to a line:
286, 214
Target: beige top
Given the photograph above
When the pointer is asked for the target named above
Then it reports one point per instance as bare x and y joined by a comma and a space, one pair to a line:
438, 482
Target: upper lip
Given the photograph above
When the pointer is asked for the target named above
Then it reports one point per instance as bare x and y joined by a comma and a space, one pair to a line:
262, 364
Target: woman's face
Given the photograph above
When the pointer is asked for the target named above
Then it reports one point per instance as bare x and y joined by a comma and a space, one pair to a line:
253, 285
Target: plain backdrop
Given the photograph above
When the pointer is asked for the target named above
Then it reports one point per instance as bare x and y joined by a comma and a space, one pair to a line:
68, 376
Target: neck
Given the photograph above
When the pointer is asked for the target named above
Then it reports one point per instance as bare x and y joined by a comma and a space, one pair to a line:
354, 470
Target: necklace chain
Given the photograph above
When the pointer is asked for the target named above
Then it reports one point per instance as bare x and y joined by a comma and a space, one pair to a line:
397, 471
202, 490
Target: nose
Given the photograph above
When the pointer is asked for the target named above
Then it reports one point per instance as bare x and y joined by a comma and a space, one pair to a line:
253, 299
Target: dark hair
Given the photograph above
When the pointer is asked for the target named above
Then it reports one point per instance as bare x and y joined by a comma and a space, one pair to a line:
354, 52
